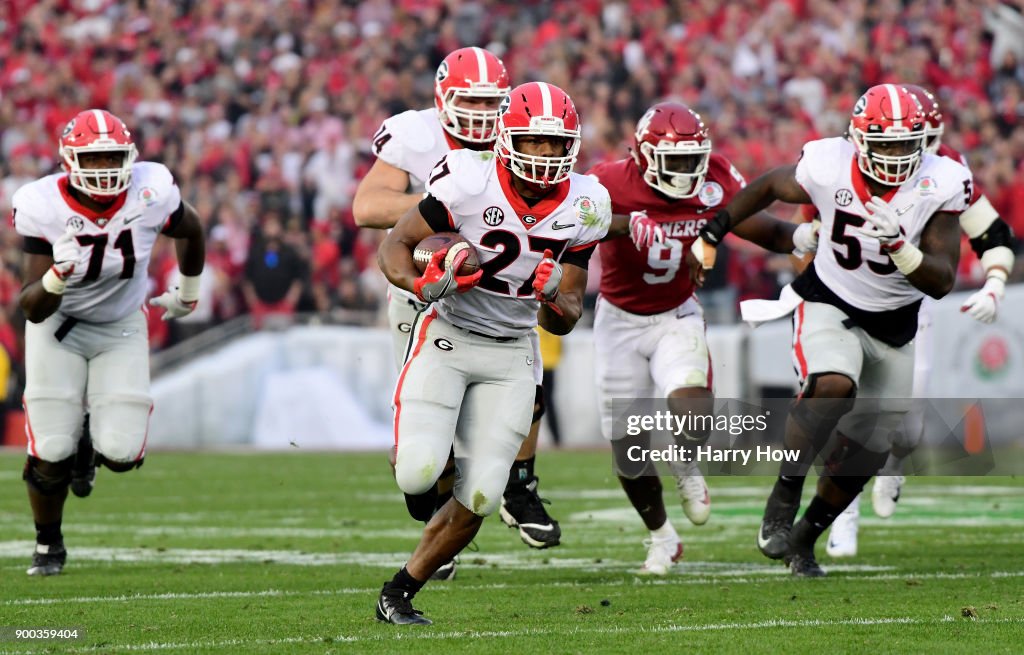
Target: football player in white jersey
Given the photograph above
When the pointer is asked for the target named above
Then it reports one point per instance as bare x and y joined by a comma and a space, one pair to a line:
469, 372
469, 85
88, 235
992, 240
889, 235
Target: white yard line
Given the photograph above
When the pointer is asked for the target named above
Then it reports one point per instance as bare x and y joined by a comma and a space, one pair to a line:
778, 573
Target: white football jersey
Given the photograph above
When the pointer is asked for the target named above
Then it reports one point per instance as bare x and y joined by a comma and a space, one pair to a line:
851, 264
111, 282
413, 141
510, 236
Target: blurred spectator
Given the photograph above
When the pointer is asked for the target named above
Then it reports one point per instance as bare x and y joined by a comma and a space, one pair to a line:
274, 274
267, 109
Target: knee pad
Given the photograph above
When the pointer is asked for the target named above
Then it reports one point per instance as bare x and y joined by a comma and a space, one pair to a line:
850, 465
481, 493
851, 484
416, 469
538, 404
118, 467
626, 467
48, 478
700, 412
819, 416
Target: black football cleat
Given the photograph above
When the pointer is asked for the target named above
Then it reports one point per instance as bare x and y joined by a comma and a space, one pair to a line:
773, 535
394, 606
803, 565
522, 508
48, 560
83, 468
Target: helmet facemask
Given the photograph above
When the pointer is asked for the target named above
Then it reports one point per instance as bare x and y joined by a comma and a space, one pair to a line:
539, 170
907, 146
101, 182
471, 125
676, 169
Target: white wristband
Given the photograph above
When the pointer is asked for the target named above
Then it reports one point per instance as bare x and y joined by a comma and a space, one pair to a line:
52, 283
188, 288
996, 285
907, 258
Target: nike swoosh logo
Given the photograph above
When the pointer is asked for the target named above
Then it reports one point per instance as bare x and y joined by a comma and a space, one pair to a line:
761, 541
558, 226
901, 212
128, 333
131, 218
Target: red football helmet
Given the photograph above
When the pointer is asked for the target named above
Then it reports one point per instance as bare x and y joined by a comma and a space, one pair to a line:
932, 115
887, 128
97, 130
475, 73
672, 148
538, 109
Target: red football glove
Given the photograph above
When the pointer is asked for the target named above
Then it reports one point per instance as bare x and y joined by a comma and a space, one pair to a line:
546, 278
645, 231
435, 284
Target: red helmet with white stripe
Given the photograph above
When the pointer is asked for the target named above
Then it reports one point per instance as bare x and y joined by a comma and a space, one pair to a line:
97, 130
538, 109
672, 149
887, 128
469, 73
933, 127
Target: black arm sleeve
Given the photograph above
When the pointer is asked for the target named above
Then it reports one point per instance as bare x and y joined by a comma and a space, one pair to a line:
174, 219
580, 258
436, 214
37, 246
997, 234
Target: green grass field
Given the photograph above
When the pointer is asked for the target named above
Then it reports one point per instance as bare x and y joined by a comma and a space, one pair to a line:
285, 553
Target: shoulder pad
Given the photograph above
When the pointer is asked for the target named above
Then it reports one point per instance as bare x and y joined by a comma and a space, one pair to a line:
412, 129
151, 174
826, 159
471, 169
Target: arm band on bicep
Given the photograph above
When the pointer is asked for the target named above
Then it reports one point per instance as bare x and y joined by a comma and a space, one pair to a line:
435, 214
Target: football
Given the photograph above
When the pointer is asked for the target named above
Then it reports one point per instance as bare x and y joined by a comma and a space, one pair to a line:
455, 244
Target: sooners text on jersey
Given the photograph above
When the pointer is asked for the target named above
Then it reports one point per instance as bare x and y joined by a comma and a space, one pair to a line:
653, 280
112, 282
510, 236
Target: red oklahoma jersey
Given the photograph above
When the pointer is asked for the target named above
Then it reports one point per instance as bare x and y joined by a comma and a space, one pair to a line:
655, 280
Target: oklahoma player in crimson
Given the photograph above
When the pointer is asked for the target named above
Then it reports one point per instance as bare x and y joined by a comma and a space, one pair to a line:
88, 234
649, 327
534, 224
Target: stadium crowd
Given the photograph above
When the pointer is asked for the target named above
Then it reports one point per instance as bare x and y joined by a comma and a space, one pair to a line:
264, 109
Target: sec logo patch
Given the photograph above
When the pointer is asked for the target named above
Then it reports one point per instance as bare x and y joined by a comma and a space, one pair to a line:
493, 216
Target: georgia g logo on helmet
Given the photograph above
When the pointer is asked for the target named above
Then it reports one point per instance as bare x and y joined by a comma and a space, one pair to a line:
506, 102
862, 104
